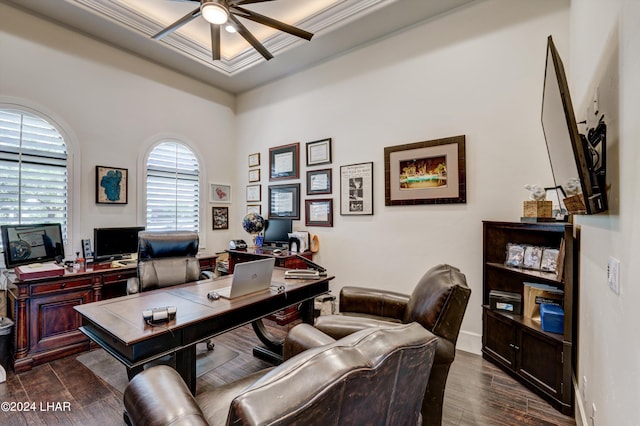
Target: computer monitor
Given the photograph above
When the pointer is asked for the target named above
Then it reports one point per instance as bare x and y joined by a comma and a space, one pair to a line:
277, 232
35, 243
115, 243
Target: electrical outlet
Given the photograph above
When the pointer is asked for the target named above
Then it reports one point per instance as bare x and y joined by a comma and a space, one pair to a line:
613, 274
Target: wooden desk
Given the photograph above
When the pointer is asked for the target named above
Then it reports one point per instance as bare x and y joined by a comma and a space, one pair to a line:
46, 326
118, 327
287, 259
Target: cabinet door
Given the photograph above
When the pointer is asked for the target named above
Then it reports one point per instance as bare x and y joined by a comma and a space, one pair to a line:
540, 362
53, 322
499, 337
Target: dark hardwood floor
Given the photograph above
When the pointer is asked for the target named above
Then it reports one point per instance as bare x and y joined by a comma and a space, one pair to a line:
478, 393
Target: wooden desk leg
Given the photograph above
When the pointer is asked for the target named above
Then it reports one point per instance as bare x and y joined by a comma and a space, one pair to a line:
131, 372
273, 351
186, 366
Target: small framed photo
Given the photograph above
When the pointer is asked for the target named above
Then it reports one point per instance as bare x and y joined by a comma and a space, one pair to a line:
319, 212
112, 185
284, 162
254, 193
549, 261
319, 182
254, 208
356, 189
254, 175
254, 159
220, 217
219, 193
515, 255
532, 257
284, 201
319, 152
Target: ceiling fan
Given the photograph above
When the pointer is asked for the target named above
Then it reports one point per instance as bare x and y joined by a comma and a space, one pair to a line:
220, 12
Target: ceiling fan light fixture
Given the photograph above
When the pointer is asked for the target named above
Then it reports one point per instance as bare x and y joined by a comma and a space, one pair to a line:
214, 12
230, 28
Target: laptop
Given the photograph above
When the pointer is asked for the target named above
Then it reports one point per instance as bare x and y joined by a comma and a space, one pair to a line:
249, 277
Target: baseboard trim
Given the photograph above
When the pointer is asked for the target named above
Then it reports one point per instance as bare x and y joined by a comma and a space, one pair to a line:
579, 414
470, 342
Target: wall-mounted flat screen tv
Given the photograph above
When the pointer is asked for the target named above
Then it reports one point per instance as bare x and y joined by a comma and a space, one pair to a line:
27, 244
577, 161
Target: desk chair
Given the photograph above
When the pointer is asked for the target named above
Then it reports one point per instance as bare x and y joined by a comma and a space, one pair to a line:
165, 259
438, 303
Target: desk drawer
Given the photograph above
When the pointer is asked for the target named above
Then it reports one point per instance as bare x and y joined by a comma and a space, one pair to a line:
119, 276
62, 285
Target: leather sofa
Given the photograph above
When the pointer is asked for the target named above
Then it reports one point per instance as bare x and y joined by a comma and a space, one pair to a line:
373, 377
438, 303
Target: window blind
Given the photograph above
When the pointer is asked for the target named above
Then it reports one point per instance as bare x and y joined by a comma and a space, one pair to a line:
173, 188
33, 171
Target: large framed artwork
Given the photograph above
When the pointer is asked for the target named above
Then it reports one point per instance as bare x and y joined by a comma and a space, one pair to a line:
284, 201
220, 217
430, 172
356, 189
219, 193
112, 184
284, 162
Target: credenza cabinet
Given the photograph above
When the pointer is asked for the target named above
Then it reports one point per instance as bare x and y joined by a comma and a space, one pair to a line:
46, 325
541, 360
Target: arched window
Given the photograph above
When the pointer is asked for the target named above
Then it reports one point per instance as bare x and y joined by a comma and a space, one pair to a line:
33, 171
173, 188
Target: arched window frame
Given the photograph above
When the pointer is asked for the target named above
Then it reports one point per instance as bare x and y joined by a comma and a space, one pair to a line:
143, 162
73, 161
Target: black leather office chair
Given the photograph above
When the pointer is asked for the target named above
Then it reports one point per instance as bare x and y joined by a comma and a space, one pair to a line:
165, 259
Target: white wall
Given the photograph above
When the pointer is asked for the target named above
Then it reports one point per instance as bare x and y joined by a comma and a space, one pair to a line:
476, 72
113, 106
605, 55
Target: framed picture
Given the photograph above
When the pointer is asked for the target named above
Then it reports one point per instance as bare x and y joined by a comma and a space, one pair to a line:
430, 172
319, 182
284, 201
319, 212
254, 193
255, 208
220, 217
284, 162
254, 175
254, 159
356, 189
112, 185
319, 152
557, 195
219, 193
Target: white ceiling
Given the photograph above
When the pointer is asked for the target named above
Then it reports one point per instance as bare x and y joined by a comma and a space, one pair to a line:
338, 26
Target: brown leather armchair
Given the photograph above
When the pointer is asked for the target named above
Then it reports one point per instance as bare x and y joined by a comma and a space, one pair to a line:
438, 303
372, 377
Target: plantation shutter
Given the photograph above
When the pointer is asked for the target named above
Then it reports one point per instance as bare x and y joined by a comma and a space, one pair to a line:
33, 171
173, 189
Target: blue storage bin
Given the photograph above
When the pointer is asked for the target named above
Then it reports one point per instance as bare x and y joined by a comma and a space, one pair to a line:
552, 317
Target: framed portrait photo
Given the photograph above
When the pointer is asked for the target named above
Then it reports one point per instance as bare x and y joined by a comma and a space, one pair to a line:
319, 152
220, 217
319, 212
430, 172
284, 201
356, 189
219, 193
112, 185
284, 162
319, 182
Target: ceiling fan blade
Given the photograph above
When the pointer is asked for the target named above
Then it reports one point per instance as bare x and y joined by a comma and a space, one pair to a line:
270, 22
215, 42
180, 22
244, 32
239, 2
